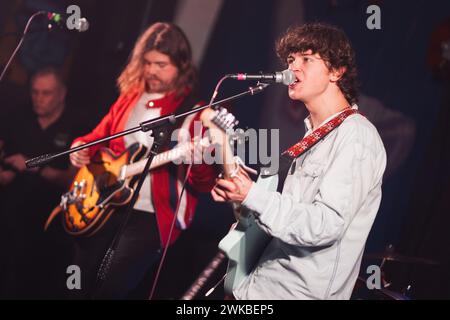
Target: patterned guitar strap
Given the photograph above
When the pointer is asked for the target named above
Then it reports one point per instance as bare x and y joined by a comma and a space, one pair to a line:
287, 157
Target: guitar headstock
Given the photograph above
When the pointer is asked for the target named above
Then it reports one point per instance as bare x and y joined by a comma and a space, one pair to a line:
221, 124
219, 118
223, 121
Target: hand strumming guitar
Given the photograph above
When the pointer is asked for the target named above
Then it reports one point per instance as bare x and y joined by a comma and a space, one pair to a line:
234, 189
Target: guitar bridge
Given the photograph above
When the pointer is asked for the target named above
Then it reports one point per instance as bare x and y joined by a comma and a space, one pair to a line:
74, 196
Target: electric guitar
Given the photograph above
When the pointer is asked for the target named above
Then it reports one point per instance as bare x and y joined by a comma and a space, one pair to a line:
220, 123
109, 180
106, 183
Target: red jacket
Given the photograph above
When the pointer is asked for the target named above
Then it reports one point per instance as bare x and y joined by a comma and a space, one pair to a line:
166, 181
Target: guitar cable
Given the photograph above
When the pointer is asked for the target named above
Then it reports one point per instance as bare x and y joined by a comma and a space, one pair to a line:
155, 281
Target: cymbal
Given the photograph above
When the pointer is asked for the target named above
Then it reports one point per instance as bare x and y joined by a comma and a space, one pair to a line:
382, 292
399, 258
392, 294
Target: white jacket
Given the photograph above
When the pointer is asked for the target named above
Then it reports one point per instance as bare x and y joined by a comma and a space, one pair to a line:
321, 221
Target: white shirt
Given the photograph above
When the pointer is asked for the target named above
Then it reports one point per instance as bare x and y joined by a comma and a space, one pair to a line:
141, 113
321, 221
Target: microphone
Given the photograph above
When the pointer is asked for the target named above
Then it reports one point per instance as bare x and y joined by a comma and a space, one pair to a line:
286, 77
81, 24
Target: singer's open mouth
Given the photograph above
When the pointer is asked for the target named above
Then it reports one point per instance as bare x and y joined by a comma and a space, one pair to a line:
294, 83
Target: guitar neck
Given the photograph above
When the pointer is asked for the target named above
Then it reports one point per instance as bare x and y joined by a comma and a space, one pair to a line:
158, 161
219, 122
229, 165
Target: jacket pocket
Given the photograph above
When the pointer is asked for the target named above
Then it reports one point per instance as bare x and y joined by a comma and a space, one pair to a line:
312, 169
311, 175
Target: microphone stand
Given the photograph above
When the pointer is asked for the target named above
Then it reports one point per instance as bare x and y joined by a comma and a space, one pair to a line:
25, 31
159, 129
161, 135
143, 126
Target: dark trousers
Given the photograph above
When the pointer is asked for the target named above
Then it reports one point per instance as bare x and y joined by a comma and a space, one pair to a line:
133, 263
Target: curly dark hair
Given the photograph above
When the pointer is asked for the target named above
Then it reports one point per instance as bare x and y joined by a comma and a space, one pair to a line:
331, 44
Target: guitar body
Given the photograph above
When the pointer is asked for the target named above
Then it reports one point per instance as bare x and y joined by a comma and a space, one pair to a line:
97, 190
244, 244
106, 183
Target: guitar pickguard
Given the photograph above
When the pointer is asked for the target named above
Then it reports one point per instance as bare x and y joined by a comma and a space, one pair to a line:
244, 244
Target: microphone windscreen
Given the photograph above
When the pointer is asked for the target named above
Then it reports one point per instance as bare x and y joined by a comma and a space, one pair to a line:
288, 77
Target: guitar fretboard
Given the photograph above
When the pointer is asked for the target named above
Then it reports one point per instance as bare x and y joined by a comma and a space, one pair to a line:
160, 159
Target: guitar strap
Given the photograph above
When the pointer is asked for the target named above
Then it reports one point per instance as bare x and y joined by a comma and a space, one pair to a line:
288, 156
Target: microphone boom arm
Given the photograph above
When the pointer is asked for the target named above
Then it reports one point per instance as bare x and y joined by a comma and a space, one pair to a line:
143, 126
